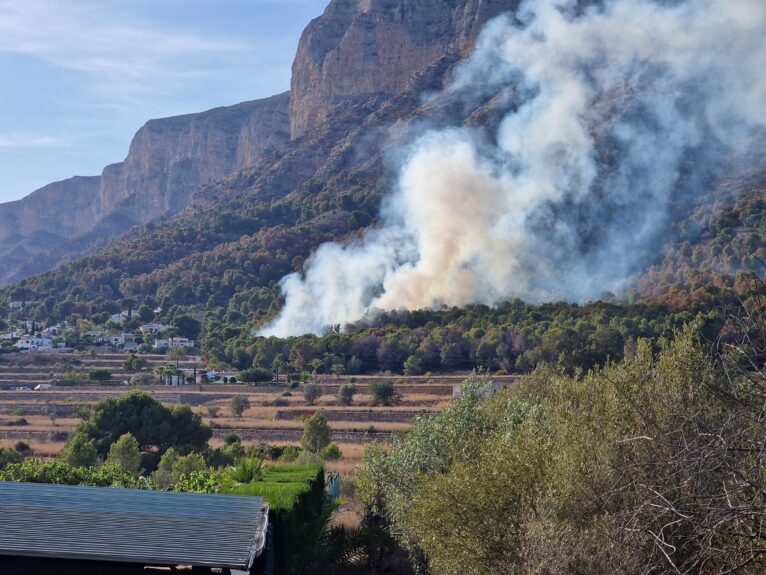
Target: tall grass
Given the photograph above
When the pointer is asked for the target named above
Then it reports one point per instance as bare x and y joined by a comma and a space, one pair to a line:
281, 486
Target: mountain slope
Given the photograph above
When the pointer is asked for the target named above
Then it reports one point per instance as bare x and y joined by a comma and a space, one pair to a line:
168, 159
351, 113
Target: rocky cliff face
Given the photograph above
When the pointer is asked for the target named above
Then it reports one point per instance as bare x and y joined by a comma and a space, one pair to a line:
172, 157
363, 48
361, 66
168, 159
32, 226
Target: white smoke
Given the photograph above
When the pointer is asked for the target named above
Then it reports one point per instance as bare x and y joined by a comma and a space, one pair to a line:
571, 194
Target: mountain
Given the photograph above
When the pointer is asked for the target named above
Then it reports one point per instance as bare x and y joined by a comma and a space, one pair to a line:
168, 159
230, 201
356, 52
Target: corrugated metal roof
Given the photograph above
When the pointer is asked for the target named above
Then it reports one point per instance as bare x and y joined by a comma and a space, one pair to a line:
130, 526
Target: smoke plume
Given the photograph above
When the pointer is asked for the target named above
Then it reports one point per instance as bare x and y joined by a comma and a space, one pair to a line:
620, 115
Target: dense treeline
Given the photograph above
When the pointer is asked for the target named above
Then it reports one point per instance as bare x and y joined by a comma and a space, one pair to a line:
716, 244
512, 337
651, 465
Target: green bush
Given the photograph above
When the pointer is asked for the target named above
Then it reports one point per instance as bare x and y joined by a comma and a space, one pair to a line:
255, 375
99, 375
332, 452
9, 456
60, 473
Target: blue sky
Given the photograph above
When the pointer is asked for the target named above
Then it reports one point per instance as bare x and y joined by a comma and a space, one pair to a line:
79, 77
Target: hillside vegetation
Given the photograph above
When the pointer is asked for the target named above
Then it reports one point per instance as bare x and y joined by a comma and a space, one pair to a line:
650, 465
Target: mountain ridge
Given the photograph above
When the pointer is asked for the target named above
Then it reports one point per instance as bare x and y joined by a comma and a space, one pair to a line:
168, 159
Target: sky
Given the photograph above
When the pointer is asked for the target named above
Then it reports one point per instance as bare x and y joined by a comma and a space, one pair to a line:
79, 77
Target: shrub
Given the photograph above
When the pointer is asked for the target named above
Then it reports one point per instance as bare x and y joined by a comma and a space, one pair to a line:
125, 452
247, 470
332, 452
255, 375
99, 375
239, 404
231, 439
383, 393
316, 433
311, 392
60, 473
290, 453
9, 456
346, 394
79, 451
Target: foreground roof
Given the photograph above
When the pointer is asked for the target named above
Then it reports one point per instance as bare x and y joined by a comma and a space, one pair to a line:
130, 526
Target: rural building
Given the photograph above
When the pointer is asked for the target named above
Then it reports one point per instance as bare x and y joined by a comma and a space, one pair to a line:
119, 528
120, 318
153, 328
173, 343
53, 331
34, 343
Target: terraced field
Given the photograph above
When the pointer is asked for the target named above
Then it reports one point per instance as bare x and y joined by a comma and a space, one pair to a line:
29, 370
45, 419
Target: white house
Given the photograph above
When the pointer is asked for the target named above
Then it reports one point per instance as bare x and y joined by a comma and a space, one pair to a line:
127, 340
173, 343
119, 318
11, 335
153, 328
18, 305
115, 339
53, 331
34, 343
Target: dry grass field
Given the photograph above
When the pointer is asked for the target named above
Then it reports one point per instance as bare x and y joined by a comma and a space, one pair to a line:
45, 419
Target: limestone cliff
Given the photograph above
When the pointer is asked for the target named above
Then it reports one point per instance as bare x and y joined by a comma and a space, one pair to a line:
361, 66
168, 159
362, 48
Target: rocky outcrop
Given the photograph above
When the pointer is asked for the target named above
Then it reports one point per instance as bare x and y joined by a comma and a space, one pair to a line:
363, 48
168, 160
32, 226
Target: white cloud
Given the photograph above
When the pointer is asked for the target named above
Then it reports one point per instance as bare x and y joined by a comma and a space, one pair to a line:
17, 141
124, 55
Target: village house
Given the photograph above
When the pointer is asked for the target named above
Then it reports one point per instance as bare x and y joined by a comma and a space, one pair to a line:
53, 331
126, 340
34, 343
153, 328
18, 305
173, 343
120, 318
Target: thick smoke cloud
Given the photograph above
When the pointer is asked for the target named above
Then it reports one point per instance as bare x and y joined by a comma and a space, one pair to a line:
621, 114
